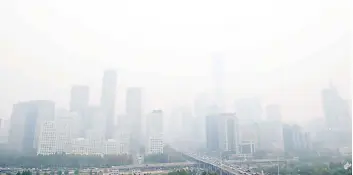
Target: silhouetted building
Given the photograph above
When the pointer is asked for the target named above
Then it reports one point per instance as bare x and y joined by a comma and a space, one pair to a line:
79, 98
222, 132
108, 100
26, 121
336, 110
248, 109
134, 115
273, 112
295, 139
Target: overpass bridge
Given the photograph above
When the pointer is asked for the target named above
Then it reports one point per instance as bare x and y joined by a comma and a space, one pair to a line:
216, 165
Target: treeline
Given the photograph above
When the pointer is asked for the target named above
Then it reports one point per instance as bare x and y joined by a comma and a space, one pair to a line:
164, 158
169, 156
312, 169
63, 160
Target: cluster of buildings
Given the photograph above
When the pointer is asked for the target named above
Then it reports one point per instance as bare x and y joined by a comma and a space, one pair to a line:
38, 127
84, 129
245, 132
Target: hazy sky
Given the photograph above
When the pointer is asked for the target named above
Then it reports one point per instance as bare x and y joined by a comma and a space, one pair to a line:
282, 51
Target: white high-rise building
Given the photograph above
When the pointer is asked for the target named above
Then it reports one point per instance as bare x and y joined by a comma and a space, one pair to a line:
47, 139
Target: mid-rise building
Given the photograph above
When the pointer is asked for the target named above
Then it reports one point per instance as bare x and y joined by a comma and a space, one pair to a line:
222, 132
111, 147
47, 139
155, 144
26, 120
96, 141
108, 100
81, 146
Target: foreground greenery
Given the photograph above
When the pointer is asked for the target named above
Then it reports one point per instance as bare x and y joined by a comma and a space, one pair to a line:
168, 156
62, 160
303, 168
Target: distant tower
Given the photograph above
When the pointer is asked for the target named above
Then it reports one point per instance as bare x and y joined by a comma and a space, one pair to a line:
108, 100
79, 98
26, 121
218, 81
335, 108
134, 115
273, 112
222, 132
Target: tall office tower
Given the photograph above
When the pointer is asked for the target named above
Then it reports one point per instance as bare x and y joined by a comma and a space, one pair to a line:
202, 108
95, 120
108, 100
134, 114
218, 81
154, 123
26, 120
222, 132
273, 112
335, 109
154, 127
79, 98
248, 109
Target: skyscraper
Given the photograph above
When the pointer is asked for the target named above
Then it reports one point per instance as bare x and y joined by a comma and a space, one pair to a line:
222, 133
108, 100
218, 81
134, 114
26, 120
335, 109
154, 134
248, 109
79, 98
154, 123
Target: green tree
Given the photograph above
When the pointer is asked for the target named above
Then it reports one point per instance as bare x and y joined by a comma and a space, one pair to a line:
59, 172
66, 172
18, 173
76, 172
